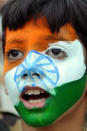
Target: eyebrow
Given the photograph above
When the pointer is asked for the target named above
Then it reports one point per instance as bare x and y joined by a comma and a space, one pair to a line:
63, 39
53, 38
50, 38
15, 41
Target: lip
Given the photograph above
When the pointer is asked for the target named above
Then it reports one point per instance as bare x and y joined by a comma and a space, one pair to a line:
34, 97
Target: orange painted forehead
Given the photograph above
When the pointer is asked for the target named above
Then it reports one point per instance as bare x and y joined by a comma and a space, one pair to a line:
40, 28
29, 28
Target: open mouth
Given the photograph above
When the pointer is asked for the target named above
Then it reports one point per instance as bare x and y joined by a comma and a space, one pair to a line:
34, 97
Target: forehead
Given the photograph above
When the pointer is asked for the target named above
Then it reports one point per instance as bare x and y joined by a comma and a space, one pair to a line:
35, 36
40, 30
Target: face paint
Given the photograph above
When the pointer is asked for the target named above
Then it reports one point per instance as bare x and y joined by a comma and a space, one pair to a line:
34, 37
60, 82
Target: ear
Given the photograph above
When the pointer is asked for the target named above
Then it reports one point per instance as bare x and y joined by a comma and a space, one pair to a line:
6, 91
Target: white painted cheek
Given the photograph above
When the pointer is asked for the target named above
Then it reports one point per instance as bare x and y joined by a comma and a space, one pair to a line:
70, 72
73, 67
12, 87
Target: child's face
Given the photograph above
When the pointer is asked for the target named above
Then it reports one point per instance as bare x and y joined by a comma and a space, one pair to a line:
45, 73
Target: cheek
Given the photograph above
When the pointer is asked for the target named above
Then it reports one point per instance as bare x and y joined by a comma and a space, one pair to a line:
11, 86
8, 65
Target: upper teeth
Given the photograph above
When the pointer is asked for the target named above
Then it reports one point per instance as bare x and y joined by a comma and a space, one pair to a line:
33, 92
36, 92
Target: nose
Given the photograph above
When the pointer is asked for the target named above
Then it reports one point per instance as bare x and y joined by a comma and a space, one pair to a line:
26, 75
36, 68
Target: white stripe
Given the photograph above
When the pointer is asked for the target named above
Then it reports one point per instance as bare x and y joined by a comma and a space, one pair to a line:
70, 68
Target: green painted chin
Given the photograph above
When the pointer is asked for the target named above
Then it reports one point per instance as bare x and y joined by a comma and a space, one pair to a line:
66, 96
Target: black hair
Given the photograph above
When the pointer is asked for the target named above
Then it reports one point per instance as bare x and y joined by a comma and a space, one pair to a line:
57, 12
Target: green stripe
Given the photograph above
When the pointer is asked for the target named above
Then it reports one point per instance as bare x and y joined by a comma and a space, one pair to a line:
66, 96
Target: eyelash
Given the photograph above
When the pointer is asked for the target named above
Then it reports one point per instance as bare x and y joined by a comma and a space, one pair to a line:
17, 54
56, 53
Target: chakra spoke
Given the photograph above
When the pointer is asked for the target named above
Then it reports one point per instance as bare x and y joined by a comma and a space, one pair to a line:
38, 66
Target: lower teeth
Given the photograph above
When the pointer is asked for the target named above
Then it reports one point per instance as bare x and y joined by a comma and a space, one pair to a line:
35, 101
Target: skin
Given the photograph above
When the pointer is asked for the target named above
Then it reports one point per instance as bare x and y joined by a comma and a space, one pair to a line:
39, 43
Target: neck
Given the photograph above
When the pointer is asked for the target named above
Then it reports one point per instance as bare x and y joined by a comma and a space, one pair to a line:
70, 122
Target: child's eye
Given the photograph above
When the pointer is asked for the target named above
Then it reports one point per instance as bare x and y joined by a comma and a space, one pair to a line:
15, 54
56, 53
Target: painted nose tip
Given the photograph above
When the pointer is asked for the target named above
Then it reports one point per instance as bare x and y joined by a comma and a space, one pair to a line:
25, 75
35, 74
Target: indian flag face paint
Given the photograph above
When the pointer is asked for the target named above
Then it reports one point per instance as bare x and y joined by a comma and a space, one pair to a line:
42, 88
